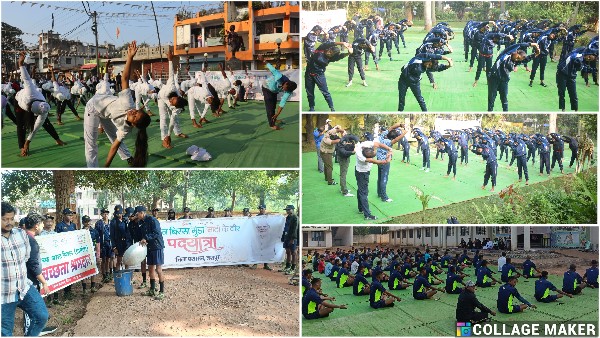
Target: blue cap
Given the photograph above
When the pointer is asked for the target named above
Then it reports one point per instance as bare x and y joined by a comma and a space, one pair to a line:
262, 206
68, 211
140, 208
289, 207
118, 210
85, 219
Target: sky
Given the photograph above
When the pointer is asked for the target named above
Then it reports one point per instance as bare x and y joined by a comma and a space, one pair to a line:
74, 25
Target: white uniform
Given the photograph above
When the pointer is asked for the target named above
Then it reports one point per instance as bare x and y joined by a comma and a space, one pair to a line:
196, 96
142, 93
28, 94
110, 112
58, 89
169, 120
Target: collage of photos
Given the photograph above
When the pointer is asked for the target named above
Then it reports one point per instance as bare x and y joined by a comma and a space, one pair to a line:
299, 168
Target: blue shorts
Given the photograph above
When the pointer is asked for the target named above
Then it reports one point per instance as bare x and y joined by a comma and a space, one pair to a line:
485, 285
548, 299
155, 257
106, 251
420, 296
314, 315
380, 304
292, 247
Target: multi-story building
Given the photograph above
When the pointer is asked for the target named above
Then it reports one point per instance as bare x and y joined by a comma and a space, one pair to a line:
69, 55
260, 25
326, 237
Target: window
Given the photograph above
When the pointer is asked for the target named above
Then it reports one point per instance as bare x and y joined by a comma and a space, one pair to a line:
68, 61
393, 233
403, 233
398, 234
449, 231
480, 230
295, 26
95, 195
419, 233
79, 195
96, 211
427, 232
269, 27
318, 236
464, 231
212, 32
410, 233
435, 231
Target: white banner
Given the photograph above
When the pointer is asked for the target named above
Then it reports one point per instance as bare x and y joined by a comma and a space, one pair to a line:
325, 19
67, 258
223, 241
253, 82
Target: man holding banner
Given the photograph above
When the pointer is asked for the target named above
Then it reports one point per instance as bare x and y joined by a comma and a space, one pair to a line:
153, 239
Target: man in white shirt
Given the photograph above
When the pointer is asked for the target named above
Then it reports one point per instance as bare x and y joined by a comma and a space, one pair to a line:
501, 261
365, 157
354, 266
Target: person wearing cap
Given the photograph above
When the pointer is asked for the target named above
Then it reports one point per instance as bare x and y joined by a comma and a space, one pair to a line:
16, 287
290, 240
171, 215
48, 226
31, 105
64, 226
106, 252
152, 238
155, 212
121, 238
543, 287
227, 213
262, 210
136, 231
328, 144
186, 214
591, 275
506, 295
570, 280
315, 306
211, 213
468, 303
95, 236
314, 74
318, 135
246, 212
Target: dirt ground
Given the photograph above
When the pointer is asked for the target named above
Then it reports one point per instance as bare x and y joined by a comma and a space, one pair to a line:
211, 301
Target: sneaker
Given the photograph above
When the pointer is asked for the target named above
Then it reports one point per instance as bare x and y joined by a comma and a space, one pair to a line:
427, 170
389, 200
332, 183
267, 267
370, 218
349, 83
349, 195
283, 270
143, 285
48, 330
290, 272
254, 266
150, 293
93, 289
159, 296
85, 292
365, 83
422, 168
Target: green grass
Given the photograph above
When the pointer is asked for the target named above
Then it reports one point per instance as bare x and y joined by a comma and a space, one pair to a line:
318, 196
239, 139
411, 317
455, 91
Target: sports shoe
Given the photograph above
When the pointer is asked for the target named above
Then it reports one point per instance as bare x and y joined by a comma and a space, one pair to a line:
290, 272
93, 289
427, 170
267, 267
349, 83
143, 285
365, 83
348, 195
159, 296
150, 293
283, 270
389, 200
332, 183
48, 330
370, 218
422, 168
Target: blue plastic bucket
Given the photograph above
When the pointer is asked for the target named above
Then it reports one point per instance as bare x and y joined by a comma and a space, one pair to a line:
123, 283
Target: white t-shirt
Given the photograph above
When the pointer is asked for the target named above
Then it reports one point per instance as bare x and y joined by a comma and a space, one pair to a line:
501, 262
170, 86
354, 268
361, 161
29, 91
115, 108
57, 89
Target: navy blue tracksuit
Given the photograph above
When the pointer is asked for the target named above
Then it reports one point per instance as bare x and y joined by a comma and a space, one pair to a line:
566, 74
315, 74
574, 146
558, 148
520, 151
500, 75
450, 148
544, 148
411, 78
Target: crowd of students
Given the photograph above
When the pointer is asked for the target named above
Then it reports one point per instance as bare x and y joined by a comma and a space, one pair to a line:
480, 39
424, 273
491, 144
22, 277
116, 104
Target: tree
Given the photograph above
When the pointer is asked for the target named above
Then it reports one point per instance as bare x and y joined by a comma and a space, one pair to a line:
433, 19
11, 41
308, 126
427, 15
64, 188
